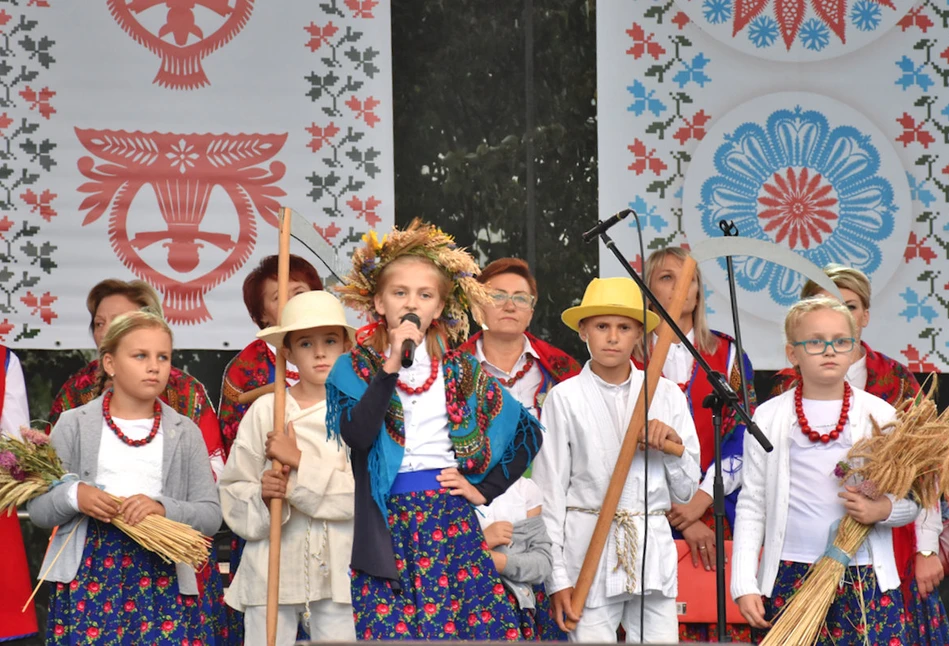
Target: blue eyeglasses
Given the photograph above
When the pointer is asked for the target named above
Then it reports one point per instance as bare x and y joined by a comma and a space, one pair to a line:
819, 346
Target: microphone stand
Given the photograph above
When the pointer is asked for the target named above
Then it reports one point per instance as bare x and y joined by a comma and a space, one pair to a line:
722, 396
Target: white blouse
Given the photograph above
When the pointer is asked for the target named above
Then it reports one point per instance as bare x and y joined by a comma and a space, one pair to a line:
427, 441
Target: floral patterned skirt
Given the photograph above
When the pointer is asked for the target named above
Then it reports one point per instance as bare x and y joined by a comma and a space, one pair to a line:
122, 594
845, 623
450, 587
547, 627
925, 618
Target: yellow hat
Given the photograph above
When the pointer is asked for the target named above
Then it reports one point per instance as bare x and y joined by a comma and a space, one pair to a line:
305, 311
605, 296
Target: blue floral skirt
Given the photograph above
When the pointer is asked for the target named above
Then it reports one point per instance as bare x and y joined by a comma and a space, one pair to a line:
925, 618
547, 627
845, 624
450, 587
122, 594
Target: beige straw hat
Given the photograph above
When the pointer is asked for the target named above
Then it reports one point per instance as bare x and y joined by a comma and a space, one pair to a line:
308, 310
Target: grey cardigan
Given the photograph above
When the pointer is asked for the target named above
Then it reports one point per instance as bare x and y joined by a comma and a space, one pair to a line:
188, 491
529, 559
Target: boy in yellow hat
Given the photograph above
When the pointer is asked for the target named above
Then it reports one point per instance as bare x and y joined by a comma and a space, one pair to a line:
586, 419
316, 481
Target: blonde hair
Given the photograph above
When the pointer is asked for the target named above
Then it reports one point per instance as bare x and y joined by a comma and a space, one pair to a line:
121, 327
705, 341
436, 338
813, 304
845, 278
138, 291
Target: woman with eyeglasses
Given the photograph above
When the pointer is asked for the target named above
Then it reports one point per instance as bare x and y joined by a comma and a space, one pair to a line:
529, 368
694, 522
916, 545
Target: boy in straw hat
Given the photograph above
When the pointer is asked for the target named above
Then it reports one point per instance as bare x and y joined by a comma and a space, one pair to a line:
586, 419
316, 481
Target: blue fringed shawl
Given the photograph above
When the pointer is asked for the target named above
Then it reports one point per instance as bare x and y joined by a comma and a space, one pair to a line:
486, 424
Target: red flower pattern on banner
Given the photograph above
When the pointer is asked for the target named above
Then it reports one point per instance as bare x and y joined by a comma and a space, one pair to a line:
320, 35
328, 232
916, 18
5, 121
39, 101
913, 131
917, 363
364, 110
637, 263
645, 159
366, 210
41, 306
798, 207
321, 136
5, 225
362, 8
693, 129
40, 204
643, 44
5, 328
4, 17
680, 20
917, 248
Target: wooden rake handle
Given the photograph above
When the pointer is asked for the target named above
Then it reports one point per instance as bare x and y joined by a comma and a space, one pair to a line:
627, 452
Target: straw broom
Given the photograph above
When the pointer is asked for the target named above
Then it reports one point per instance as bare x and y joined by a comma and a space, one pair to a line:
908, 456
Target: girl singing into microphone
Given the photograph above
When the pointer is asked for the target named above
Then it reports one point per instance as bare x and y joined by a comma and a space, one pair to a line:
428, 442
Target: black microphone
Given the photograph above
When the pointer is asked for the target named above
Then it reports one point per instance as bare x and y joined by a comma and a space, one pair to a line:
606, 224
408, 346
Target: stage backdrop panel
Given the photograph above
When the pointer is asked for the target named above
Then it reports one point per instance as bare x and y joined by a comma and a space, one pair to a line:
824, 130
149, 140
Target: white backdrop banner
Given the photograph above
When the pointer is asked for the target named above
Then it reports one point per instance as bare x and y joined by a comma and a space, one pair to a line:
824, 131
150, 140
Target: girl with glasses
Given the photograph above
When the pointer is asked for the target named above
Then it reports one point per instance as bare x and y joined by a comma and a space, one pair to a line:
791, 498
916, 546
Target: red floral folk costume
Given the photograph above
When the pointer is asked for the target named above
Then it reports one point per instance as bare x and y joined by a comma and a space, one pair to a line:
892, 382
14, 624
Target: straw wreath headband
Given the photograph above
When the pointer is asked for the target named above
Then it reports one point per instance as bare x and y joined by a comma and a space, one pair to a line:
426, 241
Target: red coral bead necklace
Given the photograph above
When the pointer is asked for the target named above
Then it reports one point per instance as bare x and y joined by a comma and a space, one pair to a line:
107, 401
409, 390
528, 364
813, 435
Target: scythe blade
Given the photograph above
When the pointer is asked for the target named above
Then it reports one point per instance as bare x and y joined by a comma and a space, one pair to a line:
303, 232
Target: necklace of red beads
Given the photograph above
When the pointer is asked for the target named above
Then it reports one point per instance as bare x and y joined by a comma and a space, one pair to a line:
107, 400
813, 435
291, 374
685, 385
528, 364
409, 390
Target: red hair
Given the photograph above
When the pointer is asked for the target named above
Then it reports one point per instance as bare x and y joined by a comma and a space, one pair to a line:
300, 271
514, 266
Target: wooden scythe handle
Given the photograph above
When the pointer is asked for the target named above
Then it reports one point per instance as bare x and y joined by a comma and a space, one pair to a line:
601, 532
279, 411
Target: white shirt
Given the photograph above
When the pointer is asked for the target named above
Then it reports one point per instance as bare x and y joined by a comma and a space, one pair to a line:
316, 542
427, 441
814, 506
761, 515
16, 412
524, 389
128, 470
512, 505
857, 372
573, 470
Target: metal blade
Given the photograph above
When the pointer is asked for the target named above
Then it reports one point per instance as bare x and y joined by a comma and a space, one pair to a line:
303, 232
712, 248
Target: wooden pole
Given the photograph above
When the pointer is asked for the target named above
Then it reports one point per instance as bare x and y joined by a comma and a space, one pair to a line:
279, 412
601, 531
